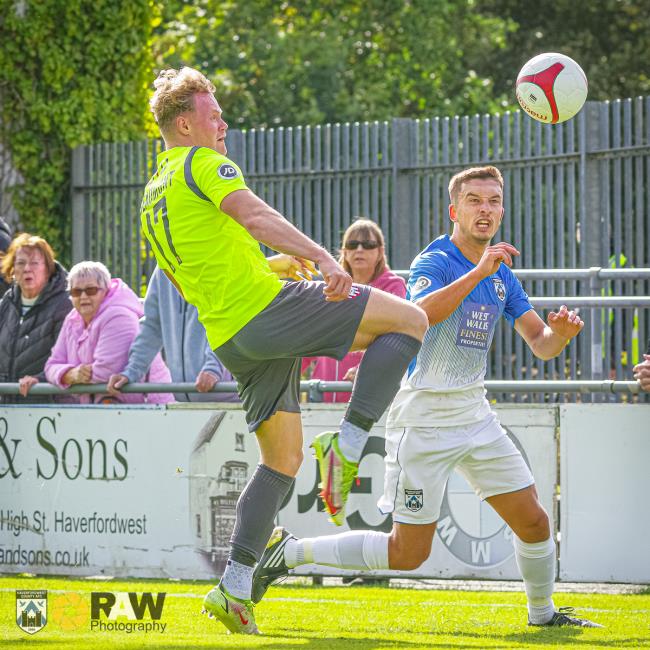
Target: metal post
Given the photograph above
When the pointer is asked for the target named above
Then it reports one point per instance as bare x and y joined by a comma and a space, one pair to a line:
595, 326
78, 203
315, 394
593, 230
236, 147
402, 239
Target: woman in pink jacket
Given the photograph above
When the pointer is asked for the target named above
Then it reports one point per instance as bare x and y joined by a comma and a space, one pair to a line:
96, 336
363, 256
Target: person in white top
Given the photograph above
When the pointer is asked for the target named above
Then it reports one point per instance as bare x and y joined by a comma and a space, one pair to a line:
440, 420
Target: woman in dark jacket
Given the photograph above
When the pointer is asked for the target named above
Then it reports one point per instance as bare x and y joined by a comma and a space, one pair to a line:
31, 312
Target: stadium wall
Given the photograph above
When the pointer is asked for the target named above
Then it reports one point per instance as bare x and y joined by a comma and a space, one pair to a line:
150, 492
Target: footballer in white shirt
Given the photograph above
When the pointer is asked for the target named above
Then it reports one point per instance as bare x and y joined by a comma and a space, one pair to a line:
440, 419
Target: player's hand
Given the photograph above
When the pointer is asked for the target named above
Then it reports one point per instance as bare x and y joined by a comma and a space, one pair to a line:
565, 323
25, 383
337, 281
290, 266
494, 256
115, 382
205, 381
642, 373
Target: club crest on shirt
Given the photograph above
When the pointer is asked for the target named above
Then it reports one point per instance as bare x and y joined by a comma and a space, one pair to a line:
413, 499
227, 171
354, 291
500, 288
421, 284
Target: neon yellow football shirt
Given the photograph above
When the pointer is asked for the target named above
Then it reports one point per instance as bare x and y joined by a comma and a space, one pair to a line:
217, 264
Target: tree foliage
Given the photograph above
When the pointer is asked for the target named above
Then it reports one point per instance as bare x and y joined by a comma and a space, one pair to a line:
71, 73
313, 61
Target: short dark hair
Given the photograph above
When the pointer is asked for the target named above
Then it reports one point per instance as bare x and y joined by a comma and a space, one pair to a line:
458, 179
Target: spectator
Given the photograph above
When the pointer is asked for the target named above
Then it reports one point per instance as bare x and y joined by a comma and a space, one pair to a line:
172, 324
95, 338
31, 311
363, 256
642, 371
5, 240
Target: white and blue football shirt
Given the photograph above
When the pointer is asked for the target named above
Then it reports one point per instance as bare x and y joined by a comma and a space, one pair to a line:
444, 385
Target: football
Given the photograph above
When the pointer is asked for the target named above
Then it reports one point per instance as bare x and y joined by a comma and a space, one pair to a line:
551, 88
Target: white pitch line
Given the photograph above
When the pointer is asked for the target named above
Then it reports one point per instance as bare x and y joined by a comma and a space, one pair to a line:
337, 601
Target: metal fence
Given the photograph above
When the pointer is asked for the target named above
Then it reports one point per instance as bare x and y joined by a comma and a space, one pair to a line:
577, 195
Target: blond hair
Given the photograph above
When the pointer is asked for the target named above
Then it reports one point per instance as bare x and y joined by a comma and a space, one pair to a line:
30, 242
362, 228
458, 179
175, 90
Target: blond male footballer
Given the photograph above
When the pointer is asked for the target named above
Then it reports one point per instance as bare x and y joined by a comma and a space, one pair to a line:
204, 226
440, 419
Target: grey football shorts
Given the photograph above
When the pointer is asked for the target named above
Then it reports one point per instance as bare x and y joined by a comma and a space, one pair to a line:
265, 355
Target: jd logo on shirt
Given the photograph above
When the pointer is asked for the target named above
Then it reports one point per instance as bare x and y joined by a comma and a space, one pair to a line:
227, 171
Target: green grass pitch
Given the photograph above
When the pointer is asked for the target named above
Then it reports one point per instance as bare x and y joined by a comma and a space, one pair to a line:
326, 618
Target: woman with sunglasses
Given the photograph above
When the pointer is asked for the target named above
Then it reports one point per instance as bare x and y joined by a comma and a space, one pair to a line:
363, 256
31, 312
96, 336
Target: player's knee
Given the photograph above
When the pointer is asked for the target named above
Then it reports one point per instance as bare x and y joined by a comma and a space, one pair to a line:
288, 462
294, 461
415, 321
538, 526
407, 558
421, 322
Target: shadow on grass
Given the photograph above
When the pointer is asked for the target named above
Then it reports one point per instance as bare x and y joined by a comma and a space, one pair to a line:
557, 637
264, 642
573, 637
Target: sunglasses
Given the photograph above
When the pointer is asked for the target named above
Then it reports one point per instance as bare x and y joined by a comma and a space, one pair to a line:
367, 244
89, 291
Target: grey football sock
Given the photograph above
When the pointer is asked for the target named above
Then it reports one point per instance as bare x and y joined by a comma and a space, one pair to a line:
377, 381
257, 507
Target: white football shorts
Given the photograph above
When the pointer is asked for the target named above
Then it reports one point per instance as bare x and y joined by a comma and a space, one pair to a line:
419, 461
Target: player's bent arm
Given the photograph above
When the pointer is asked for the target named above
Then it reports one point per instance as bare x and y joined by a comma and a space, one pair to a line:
269, 227
440, 304
543, 342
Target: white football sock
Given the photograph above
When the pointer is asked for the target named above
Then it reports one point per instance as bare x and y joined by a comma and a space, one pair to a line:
238, 579
536, 562
355, 549
352, 440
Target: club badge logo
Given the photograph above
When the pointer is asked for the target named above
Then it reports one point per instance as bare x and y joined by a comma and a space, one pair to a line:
413, 499
31, 609
421, 284
500, 288
354, 291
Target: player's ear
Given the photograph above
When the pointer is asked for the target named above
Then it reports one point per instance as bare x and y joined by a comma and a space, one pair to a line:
182, 124
452, 212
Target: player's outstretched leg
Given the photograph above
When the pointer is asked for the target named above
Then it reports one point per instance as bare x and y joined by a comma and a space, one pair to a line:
237, 615
391, 332
365, 550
